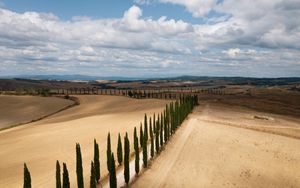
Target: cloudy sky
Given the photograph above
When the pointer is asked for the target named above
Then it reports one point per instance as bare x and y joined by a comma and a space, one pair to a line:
145, 38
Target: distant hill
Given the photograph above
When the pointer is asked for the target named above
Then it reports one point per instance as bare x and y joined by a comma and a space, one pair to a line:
67, 77
117, 78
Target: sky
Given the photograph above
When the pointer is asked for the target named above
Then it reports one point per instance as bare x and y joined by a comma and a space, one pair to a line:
149, 38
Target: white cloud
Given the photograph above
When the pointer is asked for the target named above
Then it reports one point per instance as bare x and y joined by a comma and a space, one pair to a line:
198, 8
236, 52
228, 45
233, 52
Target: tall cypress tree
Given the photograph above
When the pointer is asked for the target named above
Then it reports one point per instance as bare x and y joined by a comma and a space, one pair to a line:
96, 161
93, 181
146, 128
157, 138
27, 177
58, 178
126, 159
119, 150
152, 141
66, 182
136, 151
158, 128
108, 151
165, 125
112, 172
154, 128
161, 139
145, 153
141, 135
79, 170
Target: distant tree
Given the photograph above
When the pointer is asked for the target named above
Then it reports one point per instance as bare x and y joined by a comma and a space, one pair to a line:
119, 150
108, 152
126, 159
58, 178
141, 135
27, 177
96, 161
93, 181
112, 172
66, 182
136, 151
79, 170
130, 94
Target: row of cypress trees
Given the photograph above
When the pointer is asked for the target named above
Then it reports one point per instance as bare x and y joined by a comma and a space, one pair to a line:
163, 127
161, 130
95, 170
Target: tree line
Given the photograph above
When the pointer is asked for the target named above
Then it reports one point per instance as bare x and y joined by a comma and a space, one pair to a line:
155, 132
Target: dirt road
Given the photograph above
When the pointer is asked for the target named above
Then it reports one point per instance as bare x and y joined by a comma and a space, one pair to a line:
207, 152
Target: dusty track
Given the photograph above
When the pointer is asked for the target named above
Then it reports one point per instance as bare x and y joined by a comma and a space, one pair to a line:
206, 152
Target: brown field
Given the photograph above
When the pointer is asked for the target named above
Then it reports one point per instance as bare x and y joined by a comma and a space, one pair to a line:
247, 138
22, 109
41, 143
215, 148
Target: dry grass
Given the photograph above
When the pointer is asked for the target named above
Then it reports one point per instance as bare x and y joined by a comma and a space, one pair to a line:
16, 110
41, 143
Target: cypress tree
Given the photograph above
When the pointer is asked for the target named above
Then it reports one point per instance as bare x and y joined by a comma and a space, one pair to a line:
112, 172
27, 177
161, 139
136, 151
108, 151
158, 128
66, 182
141, 135
96, 161
145, 153
165, 127
152, 141
126, 159
93, 181
58, 178
157, 138
119, 150
154, 128
146, 128
79, 170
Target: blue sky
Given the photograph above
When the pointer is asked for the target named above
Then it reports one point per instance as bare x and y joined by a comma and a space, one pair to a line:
148, 38
66, 9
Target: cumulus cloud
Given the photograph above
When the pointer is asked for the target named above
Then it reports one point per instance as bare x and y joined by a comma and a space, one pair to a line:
198, 8
270, 23
243, 40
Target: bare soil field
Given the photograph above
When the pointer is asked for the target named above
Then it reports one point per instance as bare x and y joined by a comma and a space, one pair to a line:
41, 143
215, 148
16, 110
